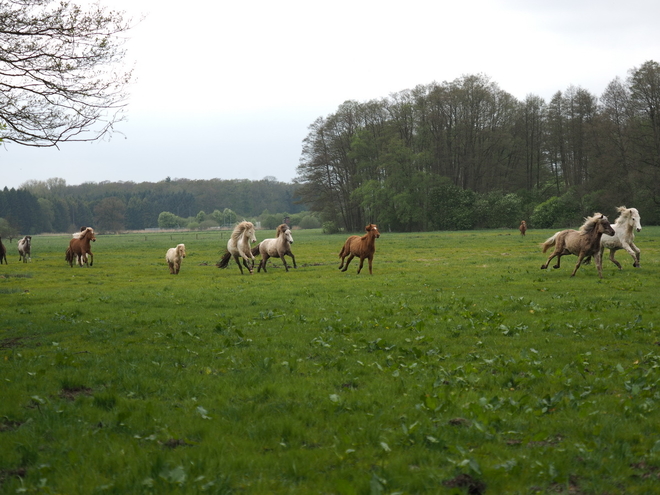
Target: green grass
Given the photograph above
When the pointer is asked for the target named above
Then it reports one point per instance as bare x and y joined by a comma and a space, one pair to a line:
458, 367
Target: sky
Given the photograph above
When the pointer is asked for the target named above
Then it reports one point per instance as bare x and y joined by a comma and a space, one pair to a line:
228, 90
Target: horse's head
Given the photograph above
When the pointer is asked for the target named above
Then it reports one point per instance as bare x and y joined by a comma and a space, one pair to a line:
604, 226
181, 249
88, 234
249, 232
373, 228
635, 219
289, 237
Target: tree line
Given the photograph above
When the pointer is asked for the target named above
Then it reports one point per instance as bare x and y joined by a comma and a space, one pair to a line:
467, 154
53, 206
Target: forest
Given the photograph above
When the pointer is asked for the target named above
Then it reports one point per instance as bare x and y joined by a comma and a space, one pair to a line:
53, 206
466, 154
455, 155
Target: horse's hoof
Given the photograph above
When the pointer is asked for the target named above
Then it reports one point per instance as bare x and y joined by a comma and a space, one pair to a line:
555, 266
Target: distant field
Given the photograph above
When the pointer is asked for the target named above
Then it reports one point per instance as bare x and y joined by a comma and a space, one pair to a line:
458, 367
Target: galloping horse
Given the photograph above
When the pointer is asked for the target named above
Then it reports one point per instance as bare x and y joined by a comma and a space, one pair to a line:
523, 228
363, 247
80, 247
582, 243
24, 248
276, 248
238, 246
624, 227
3, 252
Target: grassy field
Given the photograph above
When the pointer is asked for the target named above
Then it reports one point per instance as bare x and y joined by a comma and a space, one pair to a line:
458, 367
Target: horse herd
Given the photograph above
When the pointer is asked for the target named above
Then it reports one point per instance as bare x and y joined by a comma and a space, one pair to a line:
591, 240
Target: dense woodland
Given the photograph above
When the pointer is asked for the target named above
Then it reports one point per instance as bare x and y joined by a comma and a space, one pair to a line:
467, 154
454, 155
54, 206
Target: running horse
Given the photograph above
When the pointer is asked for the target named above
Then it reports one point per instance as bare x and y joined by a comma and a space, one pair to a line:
362, 247
79, 247
277, 247
238, 246
582, 243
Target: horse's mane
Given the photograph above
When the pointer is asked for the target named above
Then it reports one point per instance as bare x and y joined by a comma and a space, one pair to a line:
240, 229
590, 223
625, 214
282, 229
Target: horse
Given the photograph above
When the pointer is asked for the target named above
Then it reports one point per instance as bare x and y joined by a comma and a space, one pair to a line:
363, 247
80, 247
276, 248
523, 228
174, 256
238, 246
582, 243
627, 222
3, 252
24, 247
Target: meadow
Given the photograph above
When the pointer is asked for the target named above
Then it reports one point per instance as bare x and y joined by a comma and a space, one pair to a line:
458, 367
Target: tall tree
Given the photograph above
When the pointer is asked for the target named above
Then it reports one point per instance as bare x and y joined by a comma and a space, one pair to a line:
60, 71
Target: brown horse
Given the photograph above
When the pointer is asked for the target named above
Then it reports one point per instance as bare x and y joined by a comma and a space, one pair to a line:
80, 248
363, 247
523, 228
278, 247
3, 252
582, 243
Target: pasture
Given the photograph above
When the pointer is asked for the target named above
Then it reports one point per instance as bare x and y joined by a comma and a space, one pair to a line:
459, 366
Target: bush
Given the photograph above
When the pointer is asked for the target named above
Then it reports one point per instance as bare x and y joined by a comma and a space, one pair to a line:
309, 222
330, 228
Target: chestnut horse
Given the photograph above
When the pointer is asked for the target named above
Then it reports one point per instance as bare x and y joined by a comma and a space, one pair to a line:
276, 248
582, 243
522, 228
238, 246
363, 247
80, 248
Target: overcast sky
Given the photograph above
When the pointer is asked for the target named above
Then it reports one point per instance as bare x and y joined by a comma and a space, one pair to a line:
228, 89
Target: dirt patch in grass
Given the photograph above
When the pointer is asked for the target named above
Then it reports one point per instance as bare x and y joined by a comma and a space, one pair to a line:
10, 473
72, 393
466, 482
12, 342
8, 425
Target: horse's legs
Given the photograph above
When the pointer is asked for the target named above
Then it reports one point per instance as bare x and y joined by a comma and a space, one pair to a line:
545, 265
637, 254
348, 261
294, 259
238, 263
262, 264
612, 251
634, 252
577, 265
91, 258
361, 263
371, 259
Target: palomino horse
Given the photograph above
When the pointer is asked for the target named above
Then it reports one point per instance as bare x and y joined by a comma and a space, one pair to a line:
3, 252
582, 243
80, 248
238, 246
624, 235
523, 228
174, 256
276, 248
24, 248
363, 247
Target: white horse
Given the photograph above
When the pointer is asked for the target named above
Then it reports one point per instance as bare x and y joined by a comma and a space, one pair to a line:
238, 246
24, 248
174, 256
276, 248
624, 235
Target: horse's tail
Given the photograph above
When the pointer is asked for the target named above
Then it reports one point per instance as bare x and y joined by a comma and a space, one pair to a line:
68, 255
255, 250
549, 242
224, 261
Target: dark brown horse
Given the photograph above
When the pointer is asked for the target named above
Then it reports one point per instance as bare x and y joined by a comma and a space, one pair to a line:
3, 252
363, 247
582, 243
523, 228
79, 247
